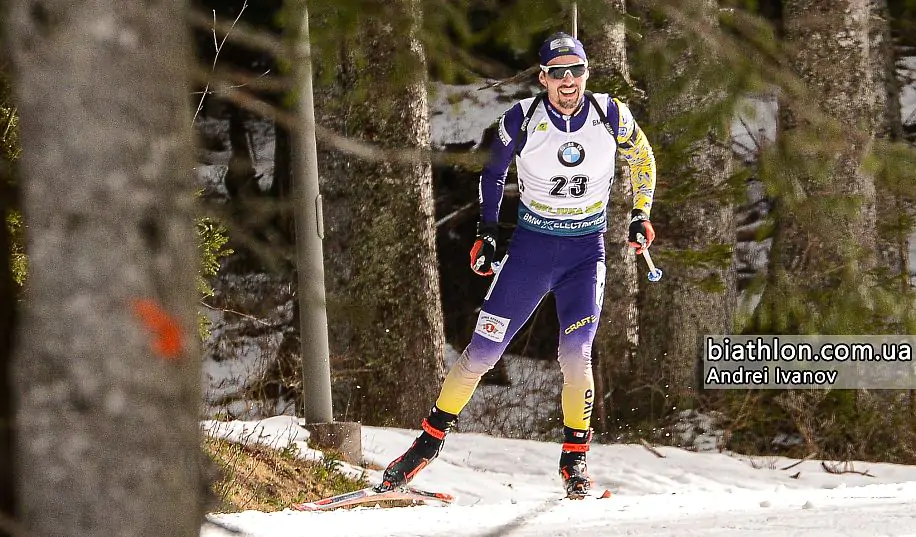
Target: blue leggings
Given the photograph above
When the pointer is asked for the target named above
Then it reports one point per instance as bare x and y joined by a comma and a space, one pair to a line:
573, 269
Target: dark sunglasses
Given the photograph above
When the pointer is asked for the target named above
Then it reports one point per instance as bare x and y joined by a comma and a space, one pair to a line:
558, 72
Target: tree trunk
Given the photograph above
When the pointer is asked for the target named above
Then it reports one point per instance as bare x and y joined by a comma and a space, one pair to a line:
380, 251
107, 367
892, 246
7, 327
825, 211
693, 216
616, 340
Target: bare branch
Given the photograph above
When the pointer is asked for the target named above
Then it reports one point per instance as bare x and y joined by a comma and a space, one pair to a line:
794, 464
239, 79
359, 149
651, 449
219, 47
527, 73
244, 34
240, 314
457, 212
847, 469
751, 134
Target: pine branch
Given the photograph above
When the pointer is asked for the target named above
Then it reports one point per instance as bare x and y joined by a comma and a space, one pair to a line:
527, 73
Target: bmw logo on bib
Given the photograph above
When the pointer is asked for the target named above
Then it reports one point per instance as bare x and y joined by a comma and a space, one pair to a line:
571, 154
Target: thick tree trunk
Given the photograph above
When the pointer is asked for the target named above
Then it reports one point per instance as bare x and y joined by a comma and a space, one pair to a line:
7, 327
695, 225
383, 284
826, 211
892, 246
616, 340
107, 368
825, 215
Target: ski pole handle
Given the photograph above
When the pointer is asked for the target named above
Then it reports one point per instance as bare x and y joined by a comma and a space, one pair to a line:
655, 274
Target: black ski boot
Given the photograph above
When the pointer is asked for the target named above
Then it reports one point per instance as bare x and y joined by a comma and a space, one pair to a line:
573, 469
422, 452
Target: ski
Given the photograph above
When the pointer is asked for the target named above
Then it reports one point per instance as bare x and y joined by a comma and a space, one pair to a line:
369, 495
589, 495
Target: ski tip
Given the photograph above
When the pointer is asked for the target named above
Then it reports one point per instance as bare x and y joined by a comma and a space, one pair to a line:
444, 497
308, 506
588, 495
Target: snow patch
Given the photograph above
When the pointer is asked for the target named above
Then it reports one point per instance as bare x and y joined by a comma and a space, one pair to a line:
459, 115
906, 69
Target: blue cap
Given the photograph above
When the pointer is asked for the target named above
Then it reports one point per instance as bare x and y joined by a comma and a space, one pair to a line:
560, 44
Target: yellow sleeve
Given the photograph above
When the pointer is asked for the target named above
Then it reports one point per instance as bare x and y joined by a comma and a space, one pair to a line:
635, 149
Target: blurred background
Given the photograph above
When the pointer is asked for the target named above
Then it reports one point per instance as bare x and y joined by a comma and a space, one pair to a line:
783, 130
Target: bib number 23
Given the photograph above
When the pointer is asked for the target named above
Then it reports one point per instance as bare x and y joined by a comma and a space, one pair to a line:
574, 186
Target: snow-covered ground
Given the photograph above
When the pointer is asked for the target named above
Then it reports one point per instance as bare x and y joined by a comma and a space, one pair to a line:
907, 71
510, 487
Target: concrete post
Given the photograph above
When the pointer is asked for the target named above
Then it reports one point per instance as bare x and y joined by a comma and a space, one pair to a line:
318, 416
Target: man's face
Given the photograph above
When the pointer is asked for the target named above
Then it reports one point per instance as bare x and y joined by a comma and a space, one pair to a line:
566, 92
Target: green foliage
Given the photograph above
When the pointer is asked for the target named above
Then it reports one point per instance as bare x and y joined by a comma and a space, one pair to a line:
212, 237
10, 152
18, 260
268, 479
462, 40
695, 90
291, 451
9, 132
893, 165
830, 296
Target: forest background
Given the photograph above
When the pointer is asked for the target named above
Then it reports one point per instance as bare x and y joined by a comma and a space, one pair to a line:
830, 197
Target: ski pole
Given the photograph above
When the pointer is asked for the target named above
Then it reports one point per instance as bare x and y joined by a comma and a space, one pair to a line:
655, 274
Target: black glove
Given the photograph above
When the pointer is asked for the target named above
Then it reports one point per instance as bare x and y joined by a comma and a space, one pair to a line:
484, 249
641, 231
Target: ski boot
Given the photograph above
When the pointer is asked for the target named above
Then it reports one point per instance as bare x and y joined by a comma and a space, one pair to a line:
423, 451
573, 469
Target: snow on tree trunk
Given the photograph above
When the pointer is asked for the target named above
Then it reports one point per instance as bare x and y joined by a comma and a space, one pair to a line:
693, 217
107, 367
384, 304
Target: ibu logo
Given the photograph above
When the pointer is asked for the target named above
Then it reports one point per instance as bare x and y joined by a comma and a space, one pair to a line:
571, 154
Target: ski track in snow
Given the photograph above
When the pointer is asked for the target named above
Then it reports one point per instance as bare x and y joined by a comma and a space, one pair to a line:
856, 511
509, 487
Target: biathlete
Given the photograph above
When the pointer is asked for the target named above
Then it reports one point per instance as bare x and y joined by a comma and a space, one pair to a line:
564, 142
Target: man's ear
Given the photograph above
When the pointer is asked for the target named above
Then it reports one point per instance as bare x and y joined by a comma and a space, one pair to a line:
542, 79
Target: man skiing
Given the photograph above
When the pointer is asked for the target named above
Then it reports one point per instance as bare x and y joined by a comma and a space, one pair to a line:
565, 150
